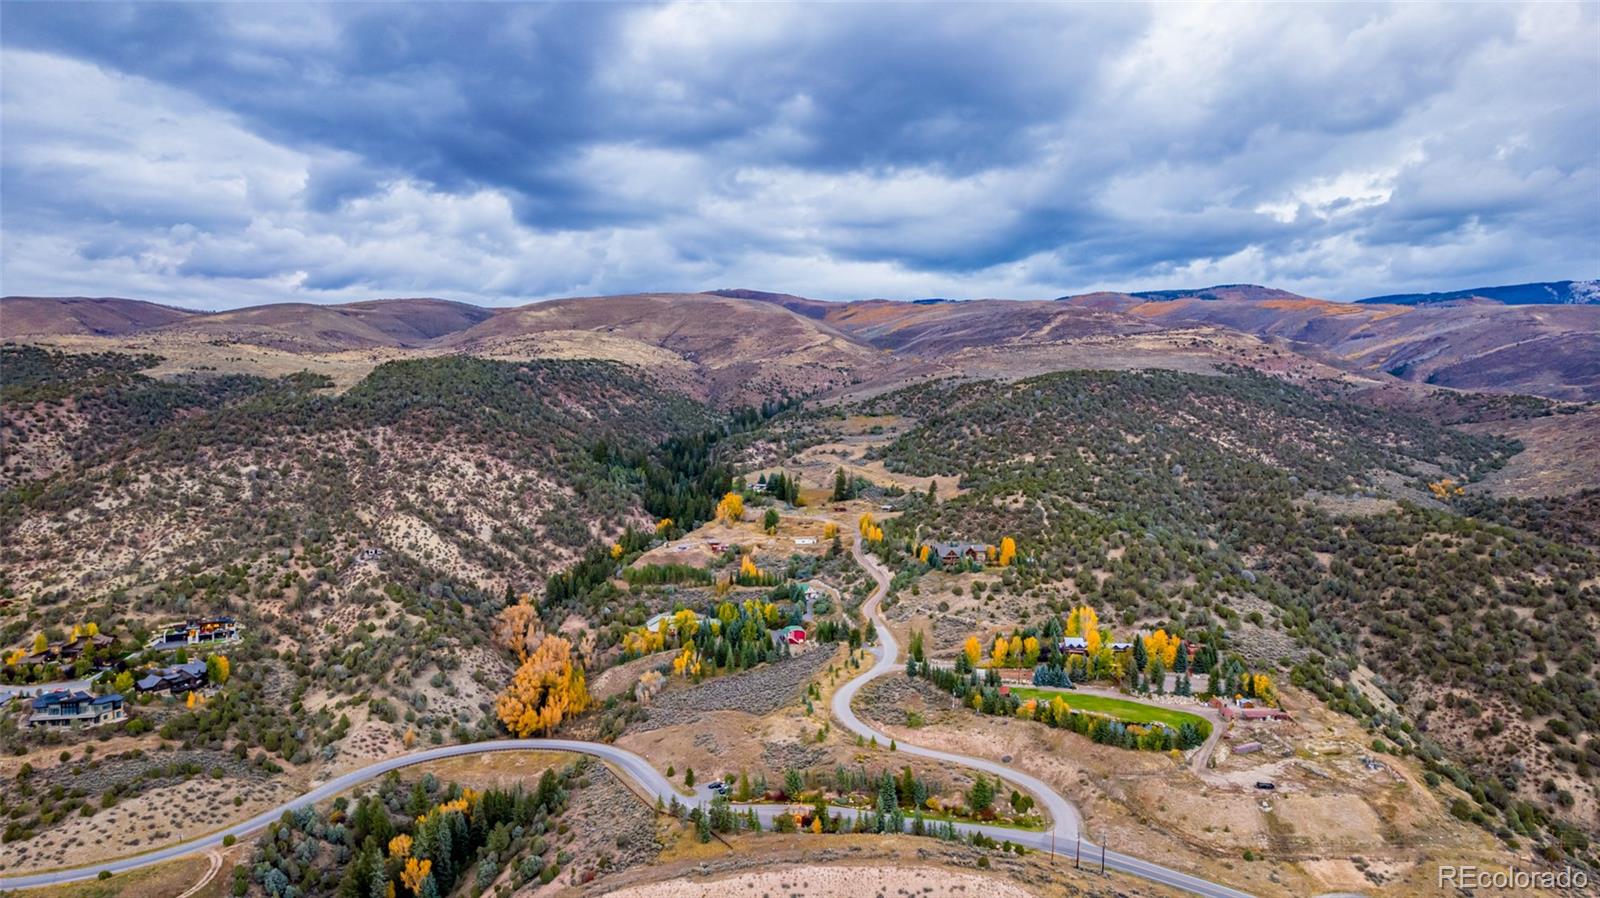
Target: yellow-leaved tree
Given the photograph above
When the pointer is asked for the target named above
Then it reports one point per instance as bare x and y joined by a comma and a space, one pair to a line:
1008, 551
517, 628
414, 873
1162, 645
748, 569
400, 847
1264, 690
688, 663
830, 530
1082, 621
662, 526
731, 508
546, 689
973, 649
1002, 648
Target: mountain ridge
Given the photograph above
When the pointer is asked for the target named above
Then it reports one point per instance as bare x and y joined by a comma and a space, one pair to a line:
743, 344
1537, 293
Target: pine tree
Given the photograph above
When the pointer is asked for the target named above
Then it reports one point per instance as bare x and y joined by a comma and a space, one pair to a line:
887, 803
981, 796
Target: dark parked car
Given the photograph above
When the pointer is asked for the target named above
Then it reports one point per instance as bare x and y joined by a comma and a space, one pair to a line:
1265, 785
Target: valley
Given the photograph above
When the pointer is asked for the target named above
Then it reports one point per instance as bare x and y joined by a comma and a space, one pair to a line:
662, 526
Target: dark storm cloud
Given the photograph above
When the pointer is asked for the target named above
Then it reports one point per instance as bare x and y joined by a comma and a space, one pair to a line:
509, 151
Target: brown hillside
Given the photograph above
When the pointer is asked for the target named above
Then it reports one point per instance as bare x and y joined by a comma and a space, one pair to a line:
33, 316
306, 327
728, 348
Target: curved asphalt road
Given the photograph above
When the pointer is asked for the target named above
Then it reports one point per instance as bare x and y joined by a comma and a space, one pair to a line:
1067, 822
644, 774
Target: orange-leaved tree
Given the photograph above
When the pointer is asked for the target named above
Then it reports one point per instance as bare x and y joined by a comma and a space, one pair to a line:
517, 628
546, 689
1008, 551
414, 873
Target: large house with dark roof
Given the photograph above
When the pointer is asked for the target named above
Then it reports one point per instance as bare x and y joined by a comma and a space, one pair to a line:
195, 632
65, 710
175, 679
953, 554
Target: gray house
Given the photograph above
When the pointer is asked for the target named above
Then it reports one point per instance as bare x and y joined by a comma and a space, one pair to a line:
64, 710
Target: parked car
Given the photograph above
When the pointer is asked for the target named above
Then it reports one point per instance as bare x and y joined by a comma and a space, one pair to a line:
719, 787
1263, 784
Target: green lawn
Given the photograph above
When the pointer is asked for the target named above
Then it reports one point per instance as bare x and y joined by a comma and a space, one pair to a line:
1129, 712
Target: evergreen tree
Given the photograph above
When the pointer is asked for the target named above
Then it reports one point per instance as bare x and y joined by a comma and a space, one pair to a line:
981, 796
888, 803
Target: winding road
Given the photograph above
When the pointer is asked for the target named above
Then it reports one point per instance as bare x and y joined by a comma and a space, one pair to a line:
1064, 816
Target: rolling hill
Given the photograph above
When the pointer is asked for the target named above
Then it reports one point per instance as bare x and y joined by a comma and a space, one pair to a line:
737, 345
1542, 293
31, 316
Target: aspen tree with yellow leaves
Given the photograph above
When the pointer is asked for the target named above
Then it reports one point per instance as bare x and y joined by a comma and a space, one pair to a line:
414, 873
731, 508
546, 689
517, 628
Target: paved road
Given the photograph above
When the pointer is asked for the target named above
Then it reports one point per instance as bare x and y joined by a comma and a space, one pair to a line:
1060, 837
1066, 822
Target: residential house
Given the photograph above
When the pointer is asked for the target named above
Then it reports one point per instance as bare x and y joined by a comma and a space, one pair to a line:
176, 679
1247, 709
70, 651
65, 710
791, 635
1073, 645
953, 554
195, 632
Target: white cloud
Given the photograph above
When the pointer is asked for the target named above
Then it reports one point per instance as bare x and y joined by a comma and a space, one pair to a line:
832, 151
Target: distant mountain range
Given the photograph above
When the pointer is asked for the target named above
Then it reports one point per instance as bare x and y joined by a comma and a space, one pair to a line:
1544, 293
742, 345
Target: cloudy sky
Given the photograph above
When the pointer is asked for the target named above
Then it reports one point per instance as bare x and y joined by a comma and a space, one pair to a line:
224, 155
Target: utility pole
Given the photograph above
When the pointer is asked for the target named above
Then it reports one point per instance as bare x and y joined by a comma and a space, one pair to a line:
1077, 859
1103, 856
